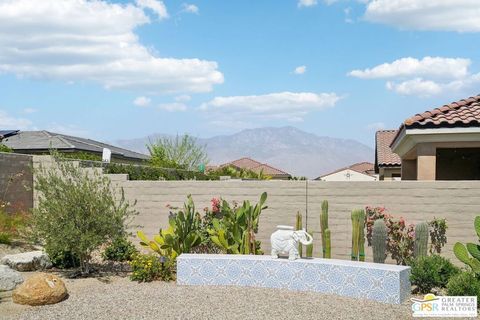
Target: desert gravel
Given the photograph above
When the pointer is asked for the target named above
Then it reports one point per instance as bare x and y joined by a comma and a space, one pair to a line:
120, 298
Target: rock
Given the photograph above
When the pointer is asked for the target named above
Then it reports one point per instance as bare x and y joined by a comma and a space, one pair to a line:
9, 278
27, 261
39, 290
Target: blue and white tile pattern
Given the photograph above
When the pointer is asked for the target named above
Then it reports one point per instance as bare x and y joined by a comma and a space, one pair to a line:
379, 282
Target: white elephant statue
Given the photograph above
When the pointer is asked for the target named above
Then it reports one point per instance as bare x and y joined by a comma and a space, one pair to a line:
285, 241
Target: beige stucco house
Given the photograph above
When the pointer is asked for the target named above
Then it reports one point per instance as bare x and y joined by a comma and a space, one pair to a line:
441, 144
362, 171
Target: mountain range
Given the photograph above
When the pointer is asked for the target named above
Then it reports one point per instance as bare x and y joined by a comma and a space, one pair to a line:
287, 148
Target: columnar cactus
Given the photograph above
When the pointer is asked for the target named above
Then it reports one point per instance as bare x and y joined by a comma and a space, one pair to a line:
358, 235
328, 249
299, 226
379, 241
421, 240
361, 240
309, 249
463, 252
324, 225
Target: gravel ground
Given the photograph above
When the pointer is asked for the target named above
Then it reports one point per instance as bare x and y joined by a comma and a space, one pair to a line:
120, 298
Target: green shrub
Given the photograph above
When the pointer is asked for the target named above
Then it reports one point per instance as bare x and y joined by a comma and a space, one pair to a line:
12, 225
147, 267
4, 148
464, 284
78, 210
121, 249
62, 259
431, 272
5, 238
141, 172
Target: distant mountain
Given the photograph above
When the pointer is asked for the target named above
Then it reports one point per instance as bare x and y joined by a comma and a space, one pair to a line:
290, 149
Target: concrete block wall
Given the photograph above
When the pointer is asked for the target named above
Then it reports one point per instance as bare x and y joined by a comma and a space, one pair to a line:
16, 181
416, 201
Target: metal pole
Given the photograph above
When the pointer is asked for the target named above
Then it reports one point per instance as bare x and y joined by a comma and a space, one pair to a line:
306, 204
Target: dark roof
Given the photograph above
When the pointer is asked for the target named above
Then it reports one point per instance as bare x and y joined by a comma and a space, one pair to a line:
44, 140
360, 167
7, 133
462, 113
384, 156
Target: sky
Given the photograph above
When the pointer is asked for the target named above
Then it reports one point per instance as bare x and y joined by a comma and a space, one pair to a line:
112, 70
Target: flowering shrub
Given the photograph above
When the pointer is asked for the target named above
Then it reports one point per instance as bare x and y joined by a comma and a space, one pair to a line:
438, 235
401, 236
148, 267
216, 204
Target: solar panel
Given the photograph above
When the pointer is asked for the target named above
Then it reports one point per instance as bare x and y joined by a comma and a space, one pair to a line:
8, 133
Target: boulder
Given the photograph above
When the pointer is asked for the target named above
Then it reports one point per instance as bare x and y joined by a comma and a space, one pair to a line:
9, 278
27, 261
40, 289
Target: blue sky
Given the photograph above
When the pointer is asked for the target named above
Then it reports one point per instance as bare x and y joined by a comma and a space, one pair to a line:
124, 69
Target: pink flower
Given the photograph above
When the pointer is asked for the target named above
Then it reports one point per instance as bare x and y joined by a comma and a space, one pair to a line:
215, 205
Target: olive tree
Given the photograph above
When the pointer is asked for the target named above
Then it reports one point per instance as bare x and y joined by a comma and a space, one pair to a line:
181, 152
78, 210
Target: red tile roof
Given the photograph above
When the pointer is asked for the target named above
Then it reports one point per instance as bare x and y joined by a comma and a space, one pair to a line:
269, 170
461, 113
255, 166
361, 167
384, 156
244, 163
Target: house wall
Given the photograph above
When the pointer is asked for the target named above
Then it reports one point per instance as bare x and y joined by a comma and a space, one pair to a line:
348, 175
16, 181
416, 201
425, 156
390, 173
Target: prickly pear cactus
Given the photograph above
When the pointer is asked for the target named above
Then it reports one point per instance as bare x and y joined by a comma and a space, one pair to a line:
421, 240
379, 241
470, 254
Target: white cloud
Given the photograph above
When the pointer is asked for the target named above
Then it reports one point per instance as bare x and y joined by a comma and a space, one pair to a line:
426, 88
426, 77
436, 67
173, 107
300, 70
444, 15
417, 87
93, 41
190, 8
142, 101
348, 12
289, 106
29, 111
9, 122
307, 3
183, 98
156, 6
